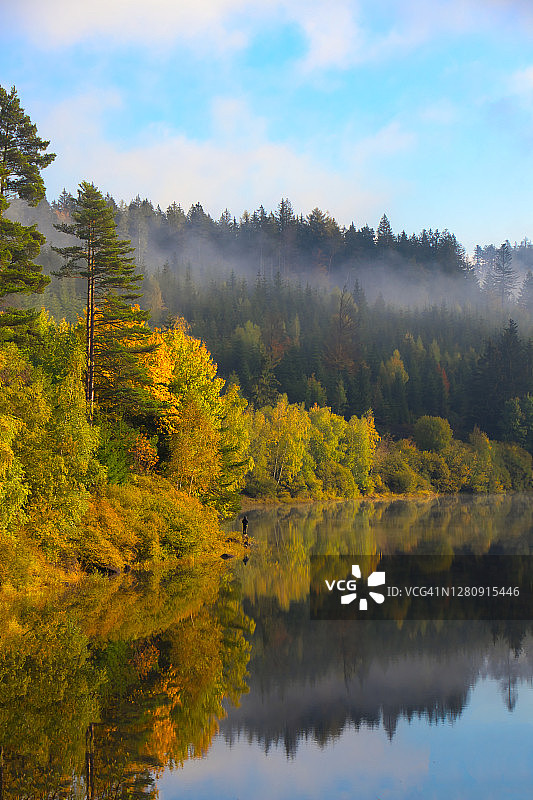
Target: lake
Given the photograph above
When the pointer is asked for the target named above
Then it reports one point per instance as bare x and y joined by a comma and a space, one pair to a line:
212, 681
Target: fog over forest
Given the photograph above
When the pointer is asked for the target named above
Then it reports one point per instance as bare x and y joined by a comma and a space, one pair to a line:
405, 268
352, 319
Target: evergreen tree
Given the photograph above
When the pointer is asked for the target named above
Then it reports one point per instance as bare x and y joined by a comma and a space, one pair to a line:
115, 330
503, 275
22, 157
384, 235
526, 293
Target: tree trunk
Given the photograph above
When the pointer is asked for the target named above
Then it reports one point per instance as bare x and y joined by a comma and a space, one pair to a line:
1, 772
89, 761
90, 320
87, 320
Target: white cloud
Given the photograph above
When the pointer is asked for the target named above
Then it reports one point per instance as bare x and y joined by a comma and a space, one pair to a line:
238, 168
421, 21
339, 34
333, 35
521, 82
331, 32
66, 22
442, 112
390, 140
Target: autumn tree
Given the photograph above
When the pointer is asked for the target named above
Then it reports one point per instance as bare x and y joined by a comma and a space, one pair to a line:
280, 437
22, 157
202, 422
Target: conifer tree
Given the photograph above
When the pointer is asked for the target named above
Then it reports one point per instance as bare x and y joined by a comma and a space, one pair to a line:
22, 157
526, 292
115, 331
502, 277
384, 234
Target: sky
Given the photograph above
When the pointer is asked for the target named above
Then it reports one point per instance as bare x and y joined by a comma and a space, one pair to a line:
419, 110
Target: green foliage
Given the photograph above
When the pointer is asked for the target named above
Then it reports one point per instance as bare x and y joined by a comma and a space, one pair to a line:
517, 421
13, 489
22, 158
23, 155
480, 466
49, 462
279, 437
144, 519
432, 433
394, 470
115, 448
515, 466
309, 453
360, 441
435, 469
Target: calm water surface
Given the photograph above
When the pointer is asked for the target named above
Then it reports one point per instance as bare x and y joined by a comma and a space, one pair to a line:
374, 710
206, 683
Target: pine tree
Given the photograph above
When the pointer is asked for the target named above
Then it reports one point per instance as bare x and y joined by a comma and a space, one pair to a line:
526, 292
504, 277
384, 234
22, 157
115, 331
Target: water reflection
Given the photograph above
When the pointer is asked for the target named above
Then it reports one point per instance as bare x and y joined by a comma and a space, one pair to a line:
122, 687
314, 681
104, 687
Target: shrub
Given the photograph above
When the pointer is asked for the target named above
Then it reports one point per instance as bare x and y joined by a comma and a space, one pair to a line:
397, 475
432, 433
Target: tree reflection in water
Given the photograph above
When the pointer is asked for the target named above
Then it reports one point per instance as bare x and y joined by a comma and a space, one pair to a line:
312, 680
103, 688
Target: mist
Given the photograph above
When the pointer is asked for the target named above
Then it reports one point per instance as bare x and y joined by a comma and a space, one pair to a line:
411, 271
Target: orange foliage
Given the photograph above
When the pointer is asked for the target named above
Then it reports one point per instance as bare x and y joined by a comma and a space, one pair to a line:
144, 454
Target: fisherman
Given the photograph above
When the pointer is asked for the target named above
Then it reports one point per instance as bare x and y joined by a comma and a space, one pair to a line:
244, 526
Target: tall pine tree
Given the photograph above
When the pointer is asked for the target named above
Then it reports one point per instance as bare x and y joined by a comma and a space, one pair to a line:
22, 157
115, 333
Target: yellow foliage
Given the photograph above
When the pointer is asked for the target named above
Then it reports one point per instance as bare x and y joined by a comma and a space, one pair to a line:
183, 372
206, 431
144, 454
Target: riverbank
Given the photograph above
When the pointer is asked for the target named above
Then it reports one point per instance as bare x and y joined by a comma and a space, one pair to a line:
252, 503
142, 524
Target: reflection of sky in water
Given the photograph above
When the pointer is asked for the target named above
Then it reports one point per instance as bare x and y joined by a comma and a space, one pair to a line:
486, 753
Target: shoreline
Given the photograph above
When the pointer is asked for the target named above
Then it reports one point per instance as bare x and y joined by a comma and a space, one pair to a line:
252, 503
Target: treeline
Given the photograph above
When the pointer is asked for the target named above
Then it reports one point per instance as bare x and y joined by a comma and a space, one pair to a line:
311, 247
270, 242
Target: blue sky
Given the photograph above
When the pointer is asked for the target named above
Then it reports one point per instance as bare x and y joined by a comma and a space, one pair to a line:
420, 110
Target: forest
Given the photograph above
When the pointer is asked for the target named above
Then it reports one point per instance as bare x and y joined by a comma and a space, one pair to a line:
155, 365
